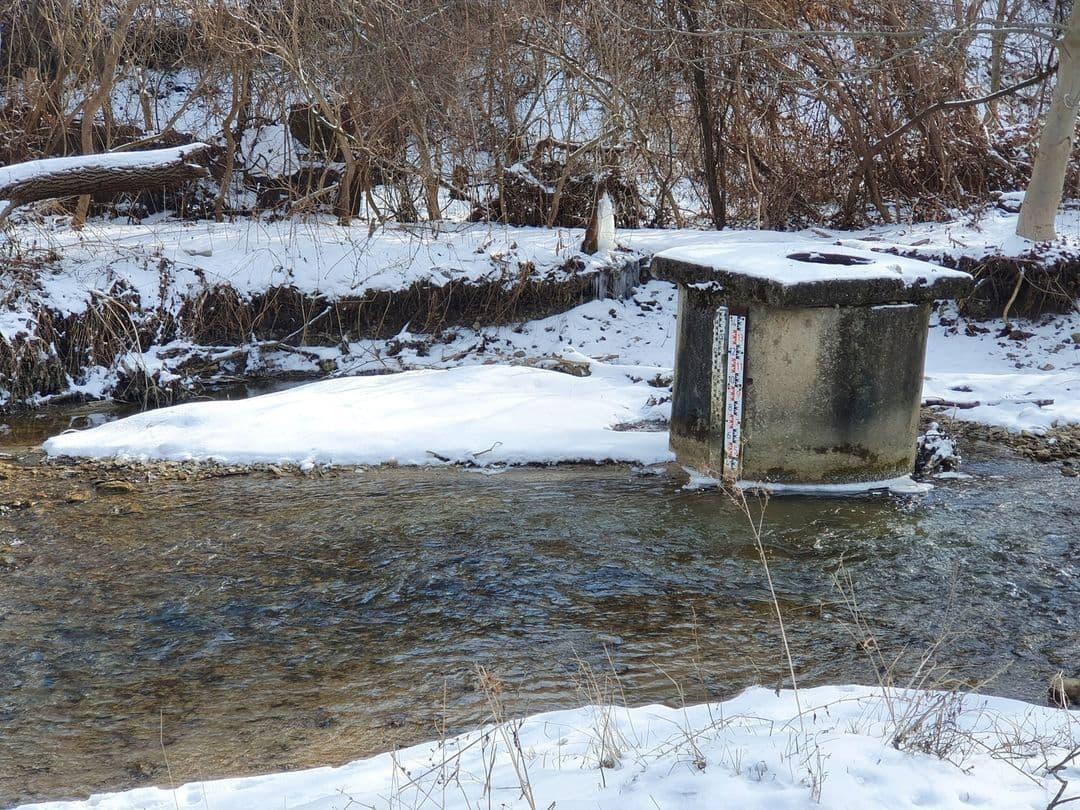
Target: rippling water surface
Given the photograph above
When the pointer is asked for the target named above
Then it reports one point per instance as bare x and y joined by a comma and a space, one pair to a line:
245, 624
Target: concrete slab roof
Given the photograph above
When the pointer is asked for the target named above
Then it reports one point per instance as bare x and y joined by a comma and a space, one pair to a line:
805, 273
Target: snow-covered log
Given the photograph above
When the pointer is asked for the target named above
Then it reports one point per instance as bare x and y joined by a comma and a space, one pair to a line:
109, 173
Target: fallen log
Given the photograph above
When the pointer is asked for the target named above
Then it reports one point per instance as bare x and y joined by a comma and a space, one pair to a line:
941, 402
110, 173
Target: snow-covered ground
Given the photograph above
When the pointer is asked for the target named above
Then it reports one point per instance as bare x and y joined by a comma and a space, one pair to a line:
319, 256
165, 260
829, 747
991, 232
626, 346
1029, 380
976, 235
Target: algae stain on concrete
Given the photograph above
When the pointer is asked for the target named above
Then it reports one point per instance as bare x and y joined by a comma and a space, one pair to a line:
833, 392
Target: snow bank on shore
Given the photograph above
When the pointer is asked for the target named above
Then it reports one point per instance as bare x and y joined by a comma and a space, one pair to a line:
480, 415
534, 416
1027, 382
754, 751
1024, 383
169, 261
997, 380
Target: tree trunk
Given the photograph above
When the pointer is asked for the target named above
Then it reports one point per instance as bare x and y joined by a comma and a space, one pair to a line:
703, 108
346, 205
100, 98
1055, 146
239, 84
997, 53
428, 174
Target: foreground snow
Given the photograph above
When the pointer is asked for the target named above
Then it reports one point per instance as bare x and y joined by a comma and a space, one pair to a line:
754, 751
480, 415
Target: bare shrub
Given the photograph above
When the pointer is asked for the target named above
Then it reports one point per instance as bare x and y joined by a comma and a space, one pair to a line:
772, 114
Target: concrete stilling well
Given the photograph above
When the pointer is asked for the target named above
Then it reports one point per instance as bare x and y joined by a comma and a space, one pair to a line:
797, 364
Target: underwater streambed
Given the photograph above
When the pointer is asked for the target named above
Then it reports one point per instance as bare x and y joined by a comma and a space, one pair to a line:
257, 623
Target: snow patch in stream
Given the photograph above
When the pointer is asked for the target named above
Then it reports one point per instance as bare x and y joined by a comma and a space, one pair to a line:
477, 415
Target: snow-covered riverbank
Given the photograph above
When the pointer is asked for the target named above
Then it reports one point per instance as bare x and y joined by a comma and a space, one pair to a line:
1025, 379
528, 415
829, 747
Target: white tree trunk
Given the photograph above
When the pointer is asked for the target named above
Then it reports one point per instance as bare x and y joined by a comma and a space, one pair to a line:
1048, 177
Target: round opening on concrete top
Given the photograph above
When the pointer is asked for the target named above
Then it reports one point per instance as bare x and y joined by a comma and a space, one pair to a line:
815, 257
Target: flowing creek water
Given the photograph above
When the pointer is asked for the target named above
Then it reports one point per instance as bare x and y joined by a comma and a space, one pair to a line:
252, 623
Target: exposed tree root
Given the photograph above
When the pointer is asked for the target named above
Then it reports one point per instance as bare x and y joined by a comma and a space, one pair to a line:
1024, 286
